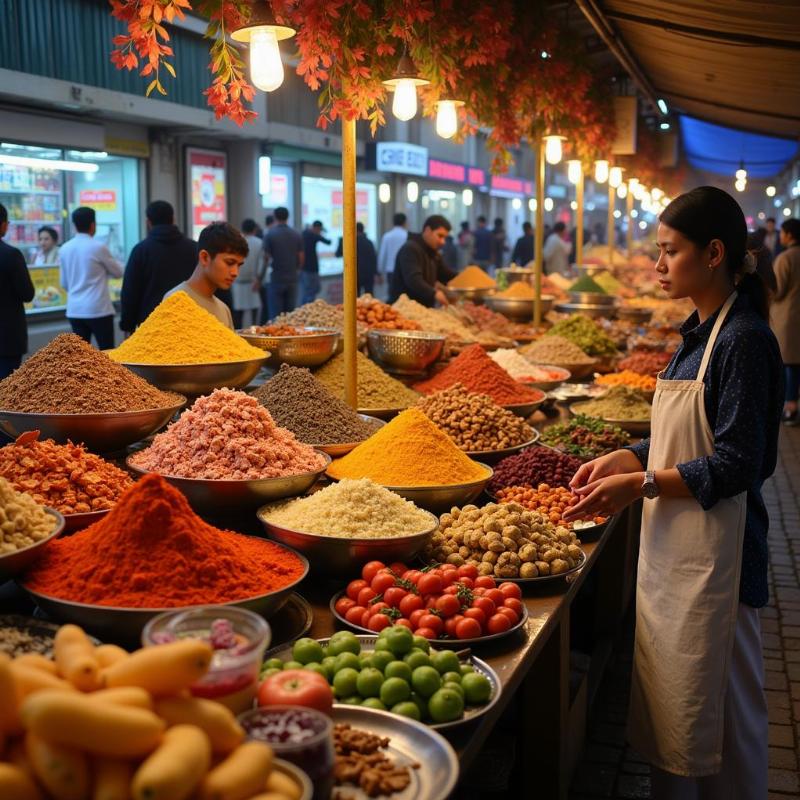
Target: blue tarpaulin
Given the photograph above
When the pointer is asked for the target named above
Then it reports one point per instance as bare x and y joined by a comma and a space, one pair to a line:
722, 150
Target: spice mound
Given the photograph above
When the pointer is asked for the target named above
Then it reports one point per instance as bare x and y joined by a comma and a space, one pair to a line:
522, 370
376, 389
301, 403
153, 551
634, 380
533, 466
619, 402
555, 350
408, 451
351, 509
317, 314
227, 435
587, 284
68, 376
587, 335
278, 330
478, 373
519, 290
179, 331
66, 477
646, 363
472, 277
505, 540
585, 437
23, 522
474, 421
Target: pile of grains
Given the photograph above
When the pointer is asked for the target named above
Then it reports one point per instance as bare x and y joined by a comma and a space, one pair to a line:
555, 350
408, 451
619, 402
474, 421
487, 320
66, 477
277, 330
533, 466
68, 376
585, 437
472, 277
550, 502
586, 334
505, 540
519, 290
227, 435
646, 363
179, 331
351, 509
303, 405
318, 314
376, 389
153, 551
587, 284
478, 373
432, 320
517, 366
607, 282
375, 314
23, 522
634, 380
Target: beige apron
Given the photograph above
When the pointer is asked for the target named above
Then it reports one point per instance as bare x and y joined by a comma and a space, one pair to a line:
687, 594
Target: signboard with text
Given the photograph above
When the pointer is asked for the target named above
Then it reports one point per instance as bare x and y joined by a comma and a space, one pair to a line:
206, 172
400, 157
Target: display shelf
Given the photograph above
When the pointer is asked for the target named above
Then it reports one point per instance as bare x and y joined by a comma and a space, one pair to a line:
30, 191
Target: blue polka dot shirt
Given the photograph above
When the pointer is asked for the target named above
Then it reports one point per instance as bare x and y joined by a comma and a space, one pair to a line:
743, 400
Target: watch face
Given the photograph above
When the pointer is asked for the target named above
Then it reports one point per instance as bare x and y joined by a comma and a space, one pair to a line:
650, 490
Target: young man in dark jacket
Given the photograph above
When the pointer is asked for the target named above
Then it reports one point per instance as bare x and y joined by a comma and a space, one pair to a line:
157, 264
419, 270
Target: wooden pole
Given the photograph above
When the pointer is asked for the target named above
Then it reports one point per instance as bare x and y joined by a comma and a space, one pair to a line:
628, 210
539, 235
579, 220
612, 194
350, 289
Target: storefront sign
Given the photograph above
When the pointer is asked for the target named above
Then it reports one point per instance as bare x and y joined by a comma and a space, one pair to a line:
517, 186
207, 174
98, 199
280, 188
458, 173
407, 159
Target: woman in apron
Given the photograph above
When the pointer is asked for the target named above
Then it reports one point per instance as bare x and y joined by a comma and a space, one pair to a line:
698, 711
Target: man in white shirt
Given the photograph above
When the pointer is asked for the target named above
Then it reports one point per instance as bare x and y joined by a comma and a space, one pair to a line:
86, 266
391, 243
556, 251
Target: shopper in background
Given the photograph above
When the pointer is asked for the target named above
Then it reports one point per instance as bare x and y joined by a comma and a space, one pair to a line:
391, 242
419, 270
246, 301
262, 274
499, 244
309, 276
47, 252
366, 261
466, 243
755, 245
283, 247
163, 259
523, 249
221, 252
785, 314
772, 238
16, 289
482, 251
450, 253
86, 266
556, 251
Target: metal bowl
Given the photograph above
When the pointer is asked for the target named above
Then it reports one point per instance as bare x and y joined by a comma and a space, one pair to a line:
115, 623
439, 499
214, 496
577, 371
197, 379
474, 295
310, 350
635, 427
297, 775
524, 410
592, 298
102, 433
594, 311
517, 274
13, 564
76, 522
640, 316
337, 450
493, 456
518, 309
339, 555
409, 352
591, 269
548, 386
381, 413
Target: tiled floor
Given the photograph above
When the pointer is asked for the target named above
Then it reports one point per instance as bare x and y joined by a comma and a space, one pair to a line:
609, 768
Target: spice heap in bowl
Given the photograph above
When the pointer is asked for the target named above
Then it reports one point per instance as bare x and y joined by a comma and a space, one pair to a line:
550, 502
585, 437
586, 334
646, 362
472, 277
618, 403
533, 466
278, 330
23, 522
522, 370
633, 380
375, 314
558, 350
317, 314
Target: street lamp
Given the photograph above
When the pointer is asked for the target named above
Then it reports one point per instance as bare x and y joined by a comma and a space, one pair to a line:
574, 171
552, 148
601, 171
263, 33
615, 177
447, 118
404, 82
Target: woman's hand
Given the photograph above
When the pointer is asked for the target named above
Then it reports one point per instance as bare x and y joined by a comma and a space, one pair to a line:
620, 462
606, 496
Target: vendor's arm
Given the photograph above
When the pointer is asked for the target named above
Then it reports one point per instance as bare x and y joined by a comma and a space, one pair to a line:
444, 273
410, 267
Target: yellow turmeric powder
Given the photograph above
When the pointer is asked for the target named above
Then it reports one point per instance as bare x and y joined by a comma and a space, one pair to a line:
179, 331
518, 291
472, 278
409, 451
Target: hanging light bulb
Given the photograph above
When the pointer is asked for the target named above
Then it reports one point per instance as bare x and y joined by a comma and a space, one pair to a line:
771, 191
657, 193
384, 193
632, 184
574, 170
532, 204
601, 171
404, 82
447, 118
516, 204
263, 34
740, 185
741, 173
548, 204
412, 191
573, 204
552, 148
466, 197
622, 191
615, 177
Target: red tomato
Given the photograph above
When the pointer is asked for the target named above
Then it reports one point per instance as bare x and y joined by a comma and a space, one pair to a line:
430, 583
404, 622
375, 608
377, 622
398, 567
433, 622
509, 613
354, 614
468, 582
426, 633
365, 618
451, 624
416, 616
393, 595
468, 629
448, 605
515, 604
510, 590
296, 687
412, 575
485, 582
354, 587
496, 596
365, 595
409, 604
476, 614
451, 589
499, 623
343, 605
449, 577
371, 569
485, 605
381, 582
479, 592
468, 571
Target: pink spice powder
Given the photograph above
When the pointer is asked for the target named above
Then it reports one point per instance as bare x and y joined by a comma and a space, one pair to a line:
227, 435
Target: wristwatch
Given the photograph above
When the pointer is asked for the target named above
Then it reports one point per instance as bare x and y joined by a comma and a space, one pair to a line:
649, 487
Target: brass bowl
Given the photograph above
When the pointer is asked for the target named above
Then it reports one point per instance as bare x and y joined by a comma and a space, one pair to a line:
196, 379
310, 350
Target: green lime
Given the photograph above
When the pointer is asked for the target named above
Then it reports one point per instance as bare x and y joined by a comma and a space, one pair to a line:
456, 687
425, 681
273, 663
346, 659
465, 669
416, 658
342, 635
421, 703
381, 645
271, 671
407, 709
400, 639
318, 668
374, 702
329, 665
345, 643
422, 643
369, 682
398, 669
394, 691
292, 665
307, 651
446, 705
451, 677
381, 659
445, 661
344, 682
353, 700
366, 662
477, 688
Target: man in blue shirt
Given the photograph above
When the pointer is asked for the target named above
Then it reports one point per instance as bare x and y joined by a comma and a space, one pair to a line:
283, 248
309, 276
482, 247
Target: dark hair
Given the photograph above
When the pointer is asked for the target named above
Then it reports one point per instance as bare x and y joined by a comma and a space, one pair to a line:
763, 257
559, 227
51, 232
465, 226
249, 225
482, 219
269, 220
281, 214
435, 222
770, 219
3, 214
399, 219
222, 237
791, 227
708, 213
83, 218
526, 226
160, 212
498, 222
359, 227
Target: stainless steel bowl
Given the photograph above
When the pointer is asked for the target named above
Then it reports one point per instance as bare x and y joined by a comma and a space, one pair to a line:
577, 371
474, 295
524, 410
13, 564
641, 316
592, 298
215, 496
339, 555
591, 269
310, 350
410, 352
635, 427
381, 413
589, 310
102, 433
197, 379
518, 309
493, 456
517, 274
337, 450
548, 386
115, 623
439, 499
76, 522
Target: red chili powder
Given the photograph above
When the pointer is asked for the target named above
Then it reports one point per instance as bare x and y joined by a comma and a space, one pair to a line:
153, 551
479, 373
